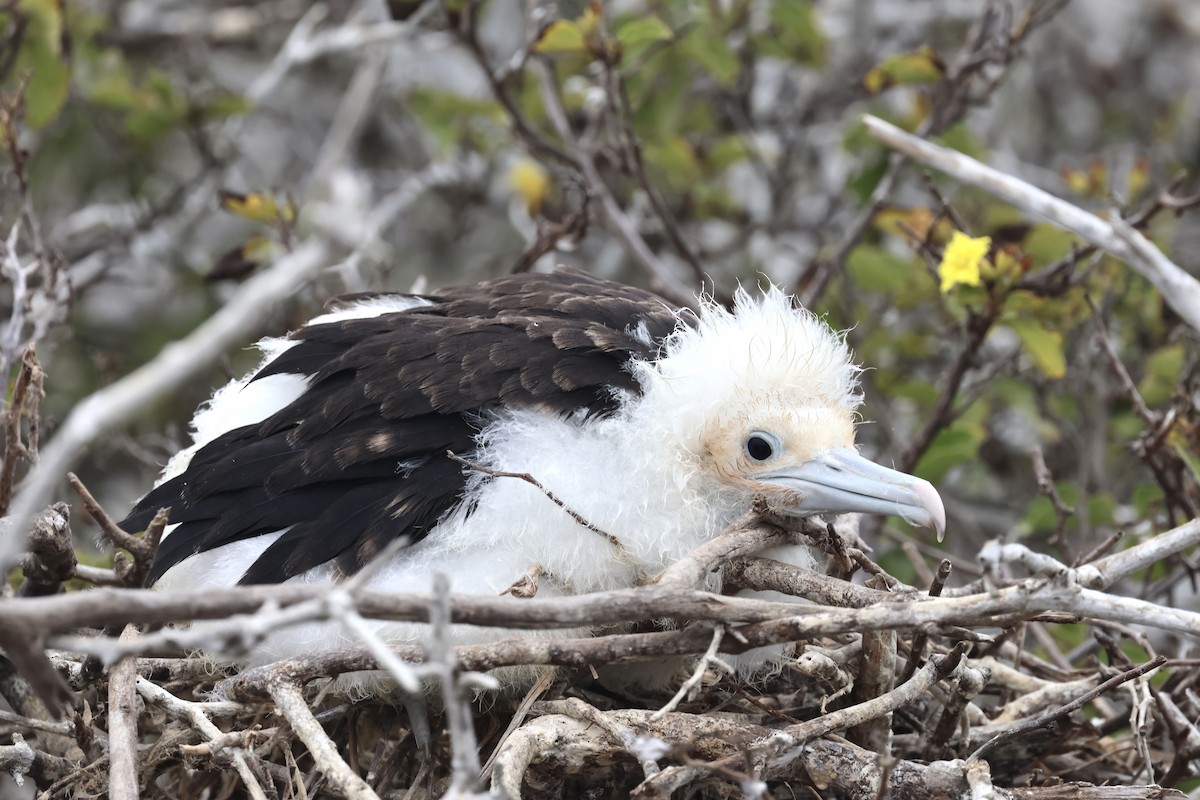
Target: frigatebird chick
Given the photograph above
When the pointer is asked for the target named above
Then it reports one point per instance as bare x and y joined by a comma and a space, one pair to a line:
656, 425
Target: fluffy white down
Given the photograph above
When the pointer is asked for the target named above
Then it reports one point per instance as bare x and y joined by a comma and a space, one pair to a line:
654, 495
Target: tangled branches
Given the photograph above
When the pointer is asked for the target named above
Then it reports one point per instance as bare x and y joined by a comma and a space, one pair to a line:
982, 709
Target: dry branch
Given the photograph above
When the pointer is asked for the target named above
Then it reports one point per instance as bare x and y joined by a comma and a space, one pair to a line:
176, 363
1179, 289
669, 748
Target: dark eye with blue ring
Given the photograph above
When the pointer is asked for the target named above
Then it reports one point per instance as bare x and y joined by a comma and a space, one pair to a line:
760, 447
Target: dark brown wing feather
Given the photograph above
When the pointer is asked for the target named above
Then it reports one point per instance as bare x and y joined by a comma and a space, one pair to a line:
359, 459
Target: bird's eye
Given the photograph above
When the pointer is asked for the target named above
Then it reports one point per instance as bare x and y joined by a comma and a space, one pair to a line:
761, 446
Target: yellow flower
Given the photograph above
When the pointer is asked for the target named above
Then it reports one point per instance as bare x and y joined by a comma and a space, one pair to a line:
530, 182
962, 259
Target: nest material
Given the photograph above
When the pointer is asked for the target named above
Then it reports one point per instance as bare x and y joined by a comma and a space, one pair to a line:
889, 691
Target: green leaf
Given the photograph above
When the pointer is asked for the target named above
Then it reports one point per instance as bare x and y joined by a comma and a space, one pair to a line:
921, 66
868, 177
1161, 378
1101, 507
1183, 448
41, 54
1145, 497
795, 31
726, 151
638, 34
224, 105
563, 36
674, 162
919, 391
960, 138
451, 118
1045, 347
1040, 516
1046, 244
713, 201
711, 52
877, 268
955, 445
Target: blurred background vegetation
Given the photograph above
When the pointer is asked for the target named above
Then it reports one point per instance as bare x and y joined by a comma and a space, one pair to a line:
165, 150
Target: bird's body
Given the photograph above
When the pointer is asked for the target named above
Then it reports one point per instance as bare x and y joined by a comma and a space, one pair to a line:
655, 426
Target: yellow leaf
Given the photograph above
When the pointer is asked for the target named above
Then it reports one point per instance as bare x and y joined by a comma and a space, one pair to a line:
1009, 263
1098, 176
921, 66
905, 223
258, 207
1043, 346
1090, 182
241, 261
962, 260
580, 35
562, 36
530, 182
1139, 177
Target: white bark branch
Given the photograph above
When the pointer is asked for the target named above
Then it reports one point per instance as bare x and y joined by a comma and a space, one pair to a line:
291, 704
123, 726
1179, 289
194, 714
175, 364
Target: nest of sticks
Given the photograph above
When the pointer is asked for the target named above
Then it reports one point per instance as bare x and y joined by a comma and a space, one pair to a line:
955, 688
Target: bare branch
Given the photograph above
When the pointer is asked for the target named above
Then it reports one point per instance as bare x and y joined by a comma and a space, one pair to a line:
176, 363
1179, 289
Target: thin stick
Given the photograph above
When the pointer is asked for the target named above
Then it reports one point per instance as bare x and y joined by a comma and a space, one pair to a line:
342, 780
1062, 711
193, 714
143, 548
551, 496
709, 657
123, 725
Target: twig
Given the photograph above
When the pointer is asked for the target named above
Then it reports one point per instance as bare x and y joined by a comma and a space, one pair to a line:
615, 219
1105, 572
304, 45
618, 99
917, 648
1149, 417
175, 364
58, 728
1100, 550
772, 621
1179, 289
978, 324
143, 548
122, 726
27, 393
518, 717
709, 658
551, 496
290, 703
195, 716
1062, 511
533, 138
51, 559
752, 532
1058, 713
16, 758
464, 755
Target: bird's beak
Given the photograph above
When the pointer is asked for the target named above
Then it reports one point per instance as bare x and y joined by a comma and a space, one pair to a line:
841, 481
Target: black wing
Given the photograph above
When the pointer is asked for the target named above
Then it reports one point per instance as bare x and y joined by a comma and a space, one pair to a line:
360, 458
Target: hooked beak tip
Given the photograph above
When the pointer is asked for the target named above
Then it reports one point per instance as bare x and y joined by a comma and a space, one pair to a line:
932, 502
